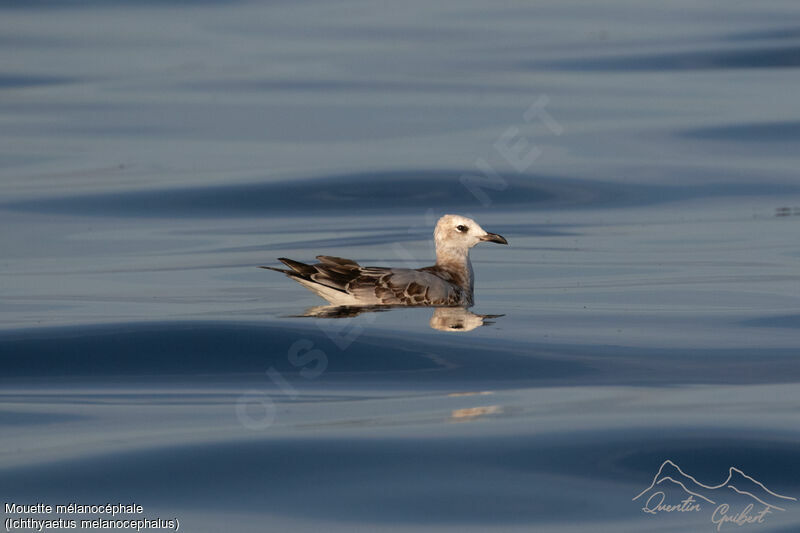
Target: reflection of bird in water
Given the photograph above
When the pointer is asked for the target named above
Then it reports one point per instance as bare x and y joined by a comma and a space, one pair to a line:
343, 311
458, 319
449, 282
443, 319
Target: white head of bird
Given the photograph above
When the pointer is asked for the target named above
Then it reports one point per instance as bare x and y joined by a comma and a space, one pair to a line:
455, 235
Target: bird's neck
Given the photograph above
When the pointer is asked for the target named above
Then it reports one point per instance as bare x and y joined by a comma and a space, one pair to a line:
455, 261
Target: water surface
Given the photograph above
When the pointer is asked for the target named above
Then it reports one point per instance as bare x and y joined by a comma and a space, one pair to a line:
154, 154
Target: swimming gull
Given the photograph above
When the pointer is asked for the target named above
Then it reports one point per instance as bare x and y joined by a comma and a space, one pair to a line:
449, 282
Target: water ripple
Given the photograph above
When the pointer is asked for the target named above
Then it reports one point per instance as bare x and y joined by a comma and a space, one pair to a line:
378, 191
761, 58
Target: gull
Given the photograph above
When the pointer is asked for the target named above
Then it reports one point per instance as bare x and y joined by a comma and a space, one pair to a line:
448, 283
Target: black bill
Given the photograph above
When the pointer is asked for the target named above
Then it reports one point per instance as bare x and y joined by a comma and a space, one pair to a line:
494, 237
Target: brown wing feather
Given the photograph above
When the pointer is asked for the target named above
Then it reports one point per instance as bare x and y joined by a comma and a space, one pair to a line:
333, 272
301, 268
406, 287
331, 260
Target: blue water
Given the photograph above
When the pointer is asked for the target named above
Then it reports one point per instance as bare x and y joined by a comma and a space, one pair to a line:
640, 158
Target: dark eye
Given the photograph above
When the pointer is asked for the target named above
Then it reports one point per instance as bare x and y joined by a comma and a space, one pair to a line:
462, 228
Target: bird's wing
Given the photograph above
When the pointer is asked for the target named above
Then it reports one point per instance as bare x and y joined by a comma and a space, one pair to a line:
334, 276
395, 286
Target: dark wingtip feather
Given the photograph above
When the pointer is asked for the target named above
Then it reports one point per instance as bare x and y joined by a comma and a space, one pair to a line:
298, 267
338, 261
281, 270
334, 273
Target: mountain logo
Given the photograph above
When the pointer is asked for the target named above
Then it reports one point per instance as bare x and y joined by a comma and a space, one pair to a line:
739, 500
